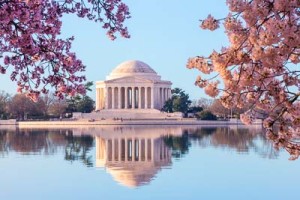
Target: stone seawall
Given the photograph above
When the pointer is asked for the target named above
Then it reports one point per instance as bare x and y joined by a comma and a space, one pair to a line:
8, 122
85, 123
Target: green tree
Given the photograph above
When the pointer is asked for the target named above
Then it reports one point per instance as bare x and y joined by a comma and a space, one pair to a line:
85, 105
168, 106
206, 115
179, 102
81, 103
195, 109
72, 103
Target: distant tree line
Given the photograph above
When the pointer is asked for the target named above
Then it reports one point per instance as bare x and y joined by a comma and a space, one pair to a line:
48, 142
204, 109
20, 107
48, 106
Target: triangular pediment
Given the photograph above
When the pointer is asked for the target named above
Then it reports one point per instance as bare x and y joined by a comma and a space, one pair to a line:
129, 79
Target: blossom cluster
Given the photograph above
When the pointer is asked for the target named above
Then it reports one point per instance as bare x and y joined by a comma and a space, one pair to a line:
210, 23
260, 67
30, 47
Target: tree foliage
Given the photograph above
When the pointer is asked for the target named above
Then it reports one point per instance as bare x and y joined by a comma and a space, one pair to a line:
203, 103
206, 115
4, 99
21, 107
47, 106
57, 108
81, 103
195, 109
260, 66
179, 102
31, 49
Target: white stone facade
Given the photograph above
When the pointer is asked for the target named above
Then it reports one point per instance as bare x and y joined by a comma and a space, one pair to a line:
132, 85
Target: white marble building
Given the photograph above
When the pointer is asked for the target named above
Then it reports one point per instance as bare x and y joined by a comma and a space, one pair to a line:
132, 85
133, 90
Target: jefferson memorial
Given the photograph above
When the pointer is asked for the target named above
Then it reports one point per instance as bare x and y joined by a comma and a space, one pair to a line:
132, 85
133, 90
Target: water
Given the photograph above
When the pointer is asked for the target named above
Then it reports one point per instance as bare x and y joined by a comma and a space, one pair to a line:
144, 162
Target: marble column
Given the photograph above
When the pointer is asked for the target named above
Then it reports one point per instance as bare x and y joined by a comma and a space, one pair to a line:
161, 97
119, 98
146, 149
113, 97
146, 97
119, 149
152, 97
102, 98
140, 97
126, 97
132, 98
126, 149
133, 149
164, 96
140, 149
97, 98
106, 97
112, 149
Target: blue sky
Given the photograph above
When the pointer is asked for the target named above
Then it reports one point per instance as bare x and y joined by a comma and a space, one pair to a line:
164, 34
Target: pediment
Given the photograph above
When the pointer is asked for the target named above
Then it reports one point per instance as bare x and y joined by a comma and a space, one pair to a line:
129, 79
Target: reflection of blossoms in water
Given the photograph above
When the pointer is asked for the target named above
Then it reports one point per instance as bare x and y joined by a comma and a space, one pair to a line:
241, 140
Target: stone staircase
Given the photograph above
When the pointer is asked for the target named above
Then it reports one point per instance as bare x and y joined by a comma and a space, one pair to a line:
127, 114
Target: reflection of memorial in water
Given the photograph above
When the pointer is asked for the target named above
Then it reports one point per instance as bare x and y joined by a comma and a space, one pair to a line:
133, 157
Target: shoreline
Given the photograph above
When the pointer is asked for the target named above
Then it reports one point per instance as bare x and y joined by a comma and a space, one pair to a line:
153, 122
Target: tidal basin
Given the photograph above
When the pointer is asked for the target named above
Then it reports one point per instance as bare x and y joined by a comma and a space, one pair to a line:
144, 162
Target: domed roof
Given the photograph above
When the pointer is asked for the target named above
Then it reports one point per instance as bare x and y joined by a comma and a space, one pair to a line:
133, 68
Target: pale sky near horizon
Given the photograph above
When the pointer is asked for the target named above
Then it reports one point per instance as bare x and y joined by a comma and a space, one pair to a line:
164, 34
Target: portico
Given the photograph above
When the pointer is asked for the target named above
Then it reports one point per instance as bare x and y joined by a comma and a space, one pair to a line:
132, 85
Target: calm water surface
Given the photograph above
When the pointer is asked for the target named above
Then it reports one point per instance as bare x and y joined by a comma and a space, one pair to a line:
144, 162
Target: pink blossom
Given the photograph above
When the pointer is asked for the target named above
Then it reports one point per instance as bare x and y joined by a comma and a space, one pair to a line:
247, 118
200, 63
30, 43
259, 68
210, 23
211, 89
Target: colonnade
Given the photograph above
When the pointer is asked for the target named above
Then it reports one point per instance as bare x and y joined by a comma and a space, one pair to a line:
131, 149
131, 97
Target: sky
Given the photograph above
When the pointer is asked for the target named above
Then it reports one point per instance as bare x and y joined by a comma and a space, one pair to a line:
164, 34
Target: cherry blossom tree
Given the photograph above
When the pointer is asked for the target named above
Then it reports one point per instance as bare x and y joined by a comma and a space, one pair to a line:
30, 47
260, 67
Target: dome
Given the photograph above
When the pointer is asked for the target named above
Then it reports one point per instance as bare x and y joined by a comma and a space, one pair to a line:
133, 68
